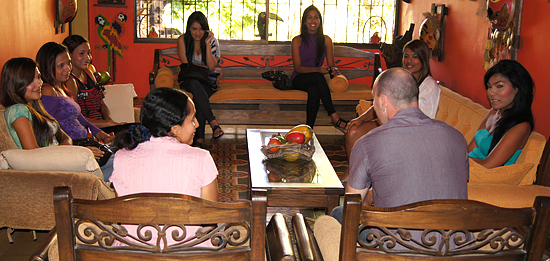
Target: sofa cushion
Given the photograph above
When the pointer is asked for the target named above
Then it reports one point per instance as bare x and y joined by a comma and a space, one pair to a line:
232, 90
460, 112
531, 153
62, 158
507, 196
510, 174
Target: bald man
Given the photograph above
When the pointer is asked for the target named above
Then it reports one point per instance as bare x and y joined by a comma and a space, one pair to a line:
411, 157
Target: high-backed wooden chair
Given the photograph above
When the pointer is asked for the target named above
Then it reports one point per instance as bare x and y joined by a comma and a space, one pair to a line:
444, 229
238, 229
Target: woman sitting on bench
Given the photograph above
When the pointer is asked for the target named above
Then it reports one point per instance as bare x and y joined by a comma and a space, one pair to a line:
308, 52
198, 46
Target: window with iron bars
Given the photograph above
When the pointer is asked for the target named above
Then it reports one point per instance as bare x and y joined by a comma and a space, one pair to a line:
345, 21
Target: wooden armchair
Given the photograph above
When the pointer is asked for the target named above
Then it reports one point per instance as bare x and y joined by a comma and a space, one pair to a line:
239, 233
444, 229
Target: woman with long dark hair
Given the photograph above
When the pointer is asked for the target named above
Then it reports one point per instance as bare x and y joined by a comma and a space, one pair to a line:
88, 93
29, 124
506, 128
309, 50
198, 46
55, 63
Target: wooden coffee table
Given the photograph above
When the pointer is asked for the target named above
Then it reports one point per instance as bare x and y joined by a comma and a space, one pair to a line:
323, 191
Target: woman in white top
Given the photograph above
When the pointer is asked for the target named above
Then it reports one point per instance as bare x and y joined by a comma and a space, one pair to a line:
416, 59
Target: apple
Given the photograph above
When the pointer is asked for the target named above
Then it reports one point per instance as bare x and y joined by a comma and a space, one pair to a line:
102, 77
274, 140
305, 129
295, 137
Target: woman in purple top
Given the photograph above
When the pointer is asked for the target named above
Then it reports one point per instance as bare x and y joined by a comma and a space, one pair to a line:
309, 50
55, 64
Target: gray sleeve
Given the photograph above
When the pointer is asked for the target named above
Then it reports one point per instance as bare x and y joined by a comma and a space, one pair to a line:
358, 168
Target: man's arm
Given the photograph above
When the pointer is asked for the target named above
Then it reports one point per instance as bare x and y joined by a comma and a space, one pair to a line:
362, 192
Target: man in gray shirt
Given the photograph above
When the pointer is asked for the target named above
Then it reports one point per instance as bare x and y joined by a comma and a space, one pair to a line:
411, 157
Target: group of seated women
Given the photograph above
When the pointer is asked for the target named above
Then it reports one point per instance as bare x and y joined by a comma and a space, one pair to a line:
57, 101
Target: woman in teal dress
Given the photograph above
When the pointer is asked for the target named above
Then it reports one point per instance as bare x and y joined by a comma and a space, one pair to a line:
505, 130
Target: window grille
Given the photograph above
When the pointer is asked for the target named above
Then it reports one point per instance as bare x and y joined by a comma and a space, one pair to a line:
345, 21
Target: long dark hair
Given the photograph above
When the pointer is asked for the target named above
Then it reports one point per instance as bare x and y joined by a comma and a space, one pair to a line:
422, 51
162, 109
320, 36
74, 41
521, 106
45, 58
17, 74
200, 18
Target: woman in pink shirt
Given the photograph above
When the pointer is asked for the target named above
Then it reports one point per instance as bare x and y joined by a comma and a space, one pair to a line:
155, 156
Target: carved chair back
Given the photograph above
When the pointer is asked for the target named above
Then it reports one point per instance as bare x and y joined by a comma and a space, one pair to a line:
444, 229
87, 229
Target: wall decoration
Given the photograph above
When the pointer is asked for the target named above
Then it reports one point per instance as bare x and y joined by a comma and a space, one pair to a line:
432, 30
503, 36
109, 34
66, 11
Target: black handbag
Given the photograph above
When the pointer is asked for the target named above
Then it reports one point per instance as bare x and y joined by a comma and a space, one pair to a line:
279, 79
91, 142
204, 75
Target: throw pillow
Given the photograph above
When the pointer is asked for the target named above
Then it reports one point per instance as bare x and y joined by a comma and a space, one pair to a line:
510, 174
61, 158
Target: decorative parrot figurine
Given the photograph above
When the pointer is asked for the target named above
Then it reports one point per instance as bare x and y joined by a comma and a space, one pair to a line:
261, 22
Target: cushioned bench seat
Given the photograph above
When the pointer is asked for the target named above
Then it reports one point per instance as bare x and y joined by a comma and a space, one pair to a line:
264, 91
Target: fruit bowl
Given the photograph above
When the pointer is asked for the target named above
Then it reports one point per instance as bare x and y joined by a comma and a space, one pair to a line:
289, 152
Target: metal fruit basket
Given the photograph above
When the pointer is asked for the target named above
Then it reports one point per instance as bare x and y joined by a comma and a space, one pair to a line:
305, 151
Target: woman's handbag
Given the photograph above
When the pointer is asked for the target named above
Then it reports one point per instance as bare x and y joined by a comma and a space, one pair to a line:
204, 75
279, 79
91, 142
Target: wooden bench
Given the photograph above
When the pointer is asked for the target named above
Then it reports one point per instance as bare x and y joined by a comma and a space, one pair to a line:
244, 98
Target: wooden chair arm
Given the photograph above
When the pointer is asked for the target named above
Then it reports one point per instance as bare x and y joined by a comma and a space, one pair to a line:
278, 243
305, 240
41, 253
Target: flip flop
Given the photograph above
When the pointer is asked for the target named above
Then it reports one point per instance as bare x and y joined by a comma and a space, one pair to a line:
214, 132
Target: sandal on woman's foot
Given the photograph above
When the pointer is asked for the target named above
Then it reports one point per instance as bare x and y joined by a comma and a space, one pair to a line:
220, 133
340, 121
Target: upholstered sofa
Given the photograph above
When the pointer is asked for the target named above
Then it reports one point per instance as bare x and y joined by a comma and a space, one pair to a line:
27, 179
506, 186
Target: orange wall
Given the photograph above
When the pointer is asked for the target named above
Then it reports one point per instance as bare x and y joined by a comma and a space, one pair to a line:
137, 61
25, 26
465, 36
